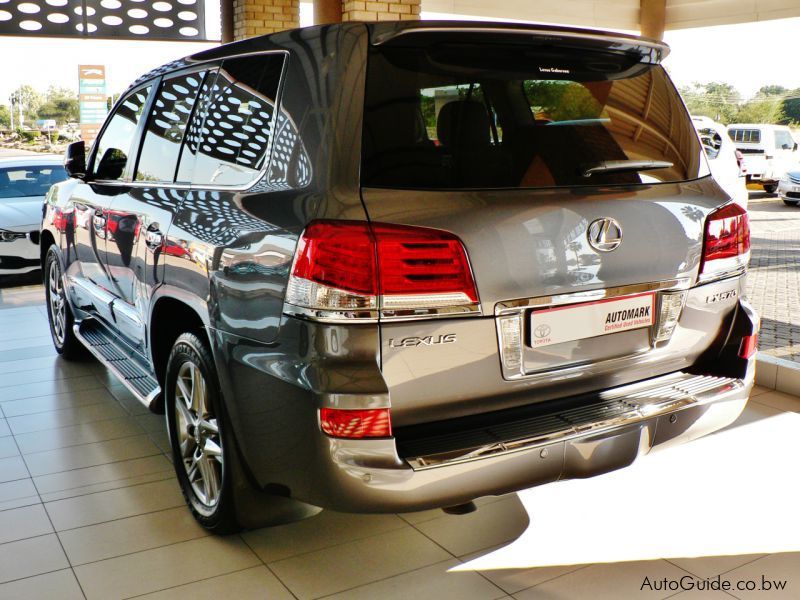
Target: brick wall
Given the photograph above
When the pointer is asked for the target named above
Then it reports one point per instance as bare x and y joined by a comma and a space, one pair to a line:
383, 10
259, 17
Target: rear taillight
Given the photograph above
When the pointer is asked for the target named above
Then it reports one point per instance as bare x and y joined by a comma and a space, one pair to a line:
349, 266
356, 424
748, 346
726, 244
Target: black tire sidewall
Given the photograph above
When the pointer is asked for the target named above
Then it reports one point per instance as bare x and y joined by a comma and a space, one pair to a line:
190, 347
70, 347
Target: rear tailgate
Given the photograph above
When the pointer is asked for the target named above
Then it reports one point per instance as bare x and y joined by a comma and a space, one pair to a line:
498, 155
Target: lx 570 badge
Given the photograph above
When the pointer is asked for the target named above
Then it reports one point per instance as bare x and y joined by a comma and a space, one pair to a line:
721, 296
428, 340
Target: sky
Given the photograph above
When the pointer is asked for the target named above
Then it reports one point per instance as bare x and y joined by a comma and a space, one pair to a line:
748, 55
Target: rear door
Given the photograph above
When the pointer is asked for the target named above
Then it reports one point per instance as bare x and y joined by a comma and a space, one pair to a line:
139, 218
571, 176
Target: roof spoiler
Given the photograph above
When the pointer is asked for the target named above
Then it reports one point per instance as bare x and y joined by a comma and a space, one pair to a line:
422, 33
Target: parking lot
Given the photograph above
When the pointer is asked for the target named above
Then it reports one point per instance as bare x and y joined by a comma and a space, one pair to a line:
774, 279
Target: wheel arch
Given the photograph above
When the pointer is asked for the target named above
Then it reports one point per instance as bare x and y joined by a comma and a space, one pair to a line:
172, 315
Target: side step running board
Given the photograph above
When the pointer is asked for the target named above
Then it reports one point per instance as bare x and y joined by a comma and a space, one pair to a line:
119, 359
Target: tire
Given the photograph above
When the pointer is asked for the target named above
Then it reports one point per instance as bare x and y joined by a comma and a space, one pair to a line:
771, 188
790, 202
201, 450
59, 313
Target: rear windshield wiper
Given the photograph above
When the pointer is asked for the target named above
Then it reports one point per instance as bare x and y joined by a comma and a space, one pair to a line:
608, 166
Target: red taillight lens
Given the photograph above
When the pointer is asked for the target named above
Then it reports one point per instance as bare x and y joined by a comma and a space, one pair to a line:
726, 244
356, 424
348, 265
338, 255
415, 262
748, 346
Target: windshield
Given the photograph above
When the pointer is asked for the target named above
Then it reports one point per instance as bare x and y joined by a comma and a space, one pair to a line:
438, 118
22, 182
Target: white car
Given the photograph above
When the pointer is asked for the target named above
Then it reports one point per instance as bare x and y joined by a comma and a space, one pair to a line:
769, 152
726, 168
789, 188
24, 181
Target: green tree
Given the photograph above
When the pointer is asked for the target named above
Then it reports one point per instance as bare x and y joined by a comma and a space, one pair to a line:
60, 104
30, 99
762, 110
771, 90
5, 119
717, 100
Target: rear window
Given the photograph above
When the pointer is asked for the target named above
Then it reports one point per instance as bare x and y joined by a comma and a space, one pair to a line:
504, 117
748, 136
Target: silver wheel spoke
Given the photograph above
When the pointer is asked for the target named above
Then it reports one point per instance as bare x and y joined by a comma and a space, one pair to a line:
211, 448
198, 434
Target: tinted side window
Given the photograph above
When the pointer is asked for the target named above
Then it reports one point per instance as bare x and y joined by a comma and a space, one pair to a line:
165, 127
238, 123
114, 145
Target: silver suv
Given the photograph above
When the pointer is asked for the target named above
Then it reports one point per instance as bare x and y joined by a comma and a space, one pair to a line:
389, 267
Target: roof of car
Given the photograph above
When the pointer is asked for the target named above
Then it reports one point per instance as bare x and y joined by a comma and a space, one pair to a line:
30, 160
384, 32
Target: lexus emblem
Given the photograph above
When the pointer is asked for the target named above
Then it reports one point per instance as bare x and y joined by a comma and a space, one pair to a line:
605, 235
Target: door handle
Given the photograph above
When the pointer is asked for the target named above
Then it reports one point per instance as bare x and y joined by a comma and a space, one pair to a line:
153, 237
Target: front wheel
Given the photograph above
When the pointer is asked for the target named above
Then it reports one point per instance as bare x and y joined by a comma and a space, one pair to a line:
59, 314
770, 188
196, 426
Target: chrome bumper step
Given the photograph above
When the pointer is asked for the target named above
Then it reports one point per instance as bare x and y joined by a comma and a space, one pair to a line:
119, 359
425, 447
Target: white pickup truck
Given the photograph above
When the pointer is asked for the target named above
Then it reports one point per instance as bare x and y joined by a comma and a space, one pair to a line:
769, 152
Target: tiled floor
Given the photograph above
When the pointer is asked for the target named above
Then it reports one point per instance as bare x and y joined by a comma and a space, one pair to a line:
89, 509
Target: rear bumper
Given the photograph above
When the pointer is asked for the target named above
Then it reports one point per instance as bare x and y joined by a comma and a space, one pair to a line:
354, 479
276, 423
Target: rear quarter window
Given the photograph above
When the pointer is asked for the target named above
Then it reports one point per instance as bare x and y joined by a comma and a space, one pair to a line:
432, 120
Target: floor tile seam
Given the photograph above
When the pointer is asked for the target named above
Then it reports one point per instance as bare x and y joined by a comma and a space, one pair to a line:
173, 587
263, 562
334, 545
102, 492
199, 536
59, 396
167, 475
111, 439
355, 587
122, 518
102, 464
39, 575
63, 426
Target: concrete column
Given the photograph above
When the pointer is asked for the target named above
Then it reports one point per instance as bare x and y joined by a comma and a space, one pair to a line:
327, 11
260, 17
226, 18
384, 10
653, 18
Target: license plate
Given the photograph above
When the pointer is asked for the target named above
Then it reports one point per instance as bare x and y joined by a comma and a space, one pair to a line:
591, 319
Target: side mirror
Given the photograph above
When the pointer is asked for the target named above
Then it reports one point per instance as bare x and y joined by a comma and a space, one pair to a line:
75, 160
795, 146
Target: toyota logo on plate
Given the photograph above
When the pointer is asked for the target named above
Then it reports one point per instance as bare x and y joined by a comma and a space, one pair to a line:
604, 234
542, 331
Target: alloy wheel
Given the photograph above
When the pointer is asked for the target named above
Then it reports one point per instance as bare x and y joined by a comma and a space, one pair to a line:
55, 296
199, 441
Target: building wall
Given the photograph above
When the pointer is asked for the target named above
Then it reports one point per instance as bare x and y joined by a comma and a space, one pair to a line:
259, 17
383, 10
